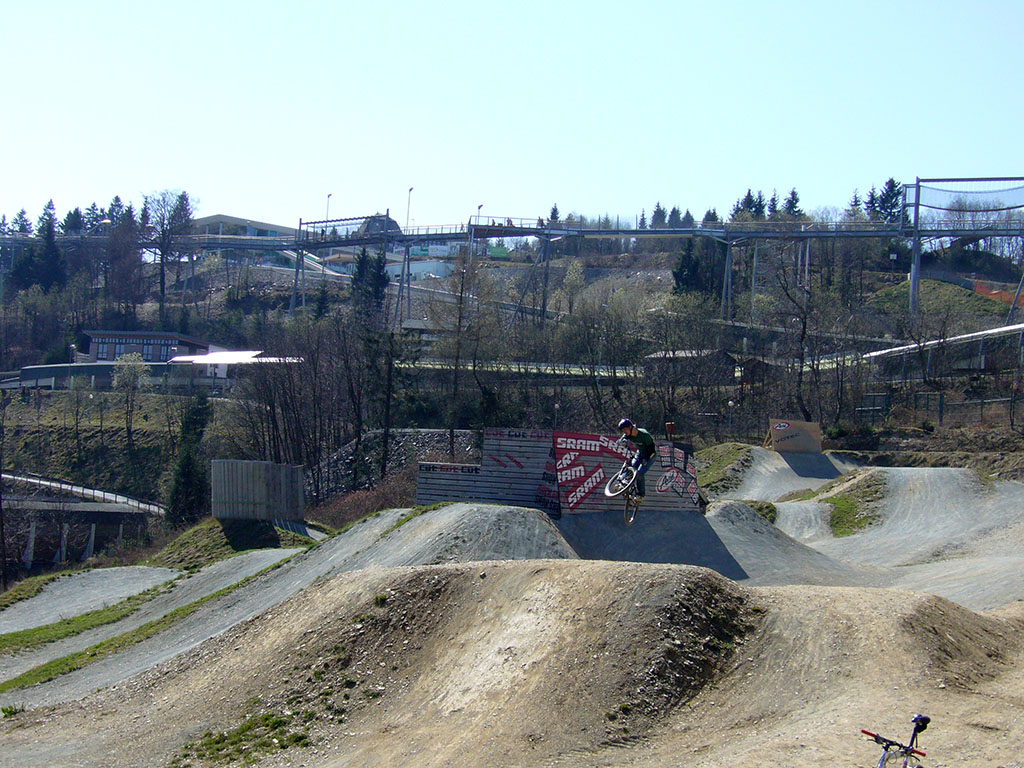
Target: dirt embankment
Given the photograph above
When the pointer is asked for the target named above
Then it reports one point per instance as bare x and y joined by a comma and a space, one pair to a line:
566, 662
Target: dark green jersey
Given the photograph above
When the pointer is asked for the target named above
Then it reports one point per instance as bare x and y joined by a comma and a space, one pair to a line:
643, 442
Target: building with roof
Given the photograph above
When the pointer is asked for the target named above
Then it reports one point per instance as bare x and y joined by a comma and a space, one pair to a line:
154, 346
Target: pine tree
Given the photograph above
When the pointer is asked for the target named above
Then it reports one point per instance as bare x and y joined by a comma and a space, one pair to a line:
855, 208
675, 218
190, 486
890, 202
21, 225
791, 207
773, 206
759, 206
47, 219
871, 204
73, 223
659, 217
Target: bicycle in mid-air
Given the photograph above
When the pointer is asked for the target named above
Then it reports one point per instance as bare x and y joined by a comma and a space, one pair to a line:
891, 748
623, 483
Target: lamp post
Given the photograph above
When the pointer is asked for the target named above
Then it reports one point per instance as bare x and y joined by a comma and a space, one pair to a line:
71, 362
408, 202
4, 402
327, 213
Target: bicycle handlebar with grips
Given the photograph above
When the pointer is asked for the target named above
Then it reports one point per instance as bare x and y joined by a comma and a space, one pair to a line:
889, 743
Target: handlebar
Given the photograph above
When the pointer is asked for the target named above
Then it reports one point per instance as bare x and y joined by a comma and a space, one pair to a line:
888, 744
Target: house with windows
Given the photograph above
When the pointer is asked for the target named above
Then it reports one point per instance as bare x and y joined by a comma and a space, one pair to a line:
154, 346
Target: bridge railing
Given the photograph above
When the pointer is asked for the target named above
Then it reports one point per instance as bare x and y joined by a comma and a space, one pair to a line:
63, 486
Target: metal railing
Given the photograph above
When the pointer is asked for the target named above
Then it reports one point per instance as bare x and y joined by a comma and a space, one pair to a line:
63, 486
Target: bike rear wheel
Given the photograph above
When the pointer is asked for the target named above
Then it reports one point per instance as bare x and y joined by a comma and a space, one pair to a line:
632, 505
620, 482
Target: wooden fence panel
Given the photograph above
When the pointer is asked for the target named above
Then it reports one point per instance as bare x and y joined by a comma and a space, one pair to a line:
256, 490
559, 472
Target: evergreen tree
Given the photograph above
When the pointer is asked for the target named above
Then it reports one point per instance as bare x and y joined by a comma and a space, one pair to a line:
659, 217
773, 206
759, 206
73, 223
871, 204
711, 217
93, 216
686, 274
50, 260
643, 220
553, 217
369, 287
47, 219
890, 202
190, 485
855, 208
675, 218
791, 206
21, 225
688, 221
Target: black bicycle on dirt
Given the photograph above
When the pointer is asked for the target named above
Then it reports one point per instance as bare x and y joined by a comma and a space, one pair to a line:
891, 748
623, 484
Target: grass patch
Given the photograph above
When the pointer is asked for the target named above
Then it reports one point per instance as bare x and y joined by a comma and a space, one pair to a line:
853, 506
414, 512
940, 298
765, 509
719, 467
258, 735
49, 633
213, 540
848, 516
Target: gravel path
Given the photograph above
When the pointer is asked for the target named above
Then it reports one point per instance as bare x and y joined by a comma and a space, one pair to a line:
80, 593
211, 579
772, 474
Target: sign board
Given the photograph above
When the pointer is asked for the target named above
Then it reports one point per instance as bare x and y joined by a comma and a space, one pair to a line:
584, 462
789, 436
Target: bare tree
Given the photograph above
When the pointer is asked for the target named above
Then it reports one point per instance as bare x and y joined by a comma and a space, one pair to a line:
170, 217
131, 379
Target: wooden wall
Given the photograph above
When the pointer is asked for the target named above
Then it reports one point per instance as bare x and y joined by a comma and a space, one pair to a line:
559, 472
256, 490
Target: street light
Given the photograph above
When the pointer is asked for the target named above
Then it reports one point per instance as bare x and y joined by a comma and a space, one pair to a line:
327, 214
408, 202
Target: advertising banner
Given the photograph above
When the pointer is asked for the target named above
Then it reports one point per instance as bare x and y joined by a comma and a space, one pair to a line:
584, 462
795, 436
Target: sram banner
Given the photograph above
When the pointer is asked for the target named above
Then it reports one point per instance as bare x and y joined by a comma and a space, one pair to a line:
795, 436
584, 462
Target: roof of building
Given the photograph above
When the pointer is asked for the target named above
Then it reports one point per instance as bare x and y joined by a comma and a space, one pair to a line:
174, 335
216, 218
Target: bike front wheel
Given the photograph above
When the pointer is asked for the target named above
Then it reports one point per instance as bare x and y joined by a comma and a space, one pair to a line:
620, 482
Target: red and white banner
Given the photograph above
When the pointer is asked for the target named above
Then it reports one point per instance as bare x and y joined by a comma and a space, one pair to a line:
584, 462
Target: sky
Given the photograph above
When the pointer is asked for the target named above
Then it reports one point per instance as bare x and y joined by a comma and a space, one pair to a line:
279, 111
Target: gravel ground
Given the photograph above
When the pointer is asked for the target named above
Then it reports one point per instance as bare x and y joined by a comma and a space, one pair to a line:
79, 593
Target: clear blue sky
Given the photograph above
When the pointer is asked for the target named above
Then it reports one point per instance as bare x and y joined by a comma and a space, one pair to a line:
261, 109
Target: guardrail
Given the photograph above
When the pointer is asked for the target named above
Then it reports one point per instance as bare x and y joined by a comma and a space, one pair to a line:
63, 486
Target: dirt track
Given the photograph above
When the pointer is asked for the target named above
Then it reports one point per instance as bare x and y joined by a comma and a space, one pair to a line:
569, 662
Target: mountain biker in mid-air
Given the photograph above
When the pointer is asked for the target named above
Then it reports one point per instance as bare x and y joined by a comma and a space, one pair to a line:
645, 451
